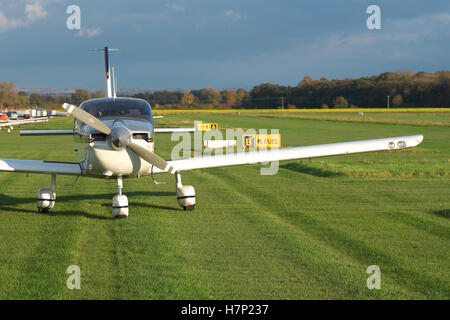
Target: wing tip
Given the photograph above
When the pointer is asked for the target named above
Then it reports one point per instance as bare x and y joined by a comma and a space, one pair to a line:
418, 138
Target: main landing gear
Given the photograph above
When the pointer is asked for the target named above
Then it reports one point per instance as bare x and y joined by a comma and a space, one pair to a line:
46, 197
185, 194
185, 197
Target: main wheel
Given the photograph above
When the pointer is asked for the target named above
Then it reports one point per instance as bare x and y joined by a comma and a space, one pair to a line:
189, 208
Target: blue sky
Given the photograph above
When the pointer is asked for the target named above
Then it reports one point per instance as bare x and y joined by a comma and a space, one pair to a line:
222, 43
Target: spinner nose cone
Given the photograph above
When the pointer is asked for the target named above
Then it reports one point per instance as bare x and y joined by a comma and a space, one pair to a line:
119, 137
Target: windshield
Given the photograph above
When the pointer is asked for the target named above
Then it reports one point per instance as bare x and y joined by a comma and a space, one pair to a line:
118, 108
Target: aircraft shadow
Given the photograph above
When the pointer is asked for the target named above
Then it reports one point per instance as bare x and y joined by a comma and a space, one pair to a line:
317, 172
55, 212
145, 205
7, 203
442, 213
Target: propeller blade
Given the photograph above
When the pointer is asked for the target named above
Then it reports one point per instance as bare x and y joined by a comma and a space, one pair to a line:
87, 118
150, 157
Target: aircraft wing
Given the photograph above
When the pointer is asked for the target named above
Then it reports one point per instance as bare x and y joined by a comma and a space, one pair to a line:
45, 132
11, 123
170, 130
70, 132
35, 166
322, 150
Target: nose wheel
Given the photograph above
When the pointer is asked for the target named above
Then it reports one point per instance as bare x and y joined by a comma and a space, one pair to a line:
119, 202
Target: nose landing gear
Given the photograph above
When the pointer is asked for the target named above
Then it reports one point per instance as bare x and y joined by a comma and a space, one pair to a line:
119, 202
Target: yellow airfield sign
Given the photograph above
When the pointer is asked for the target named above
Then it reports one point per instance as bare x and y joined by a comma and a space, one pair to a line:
201, 126
261, 141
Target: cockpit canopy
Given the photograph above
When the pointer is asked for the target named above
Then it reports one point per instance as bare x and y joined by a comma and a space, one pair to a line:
104, 108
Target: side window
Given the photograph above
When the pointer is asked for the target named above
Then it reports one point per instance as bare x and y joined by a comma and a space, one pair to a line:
149, 113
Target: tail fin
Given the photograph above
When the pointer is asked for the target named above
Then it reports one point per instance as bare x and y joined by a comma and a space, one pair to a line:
109, 89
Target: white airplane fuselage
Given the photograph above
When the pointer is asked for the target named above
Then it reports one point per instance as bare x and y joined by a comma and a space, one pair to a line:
97, 156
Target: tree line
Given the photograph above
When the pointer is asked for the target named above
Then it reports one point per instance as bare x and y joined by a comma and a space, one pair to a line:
396, 89
12, 98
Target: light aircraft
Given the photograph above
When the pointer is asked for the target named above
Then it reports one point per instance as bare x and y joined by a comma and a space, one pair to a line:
10, 122
114, 138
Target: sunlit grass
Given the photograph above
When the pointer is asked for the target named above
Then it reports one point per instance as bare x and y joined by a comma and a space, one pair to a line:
309, 232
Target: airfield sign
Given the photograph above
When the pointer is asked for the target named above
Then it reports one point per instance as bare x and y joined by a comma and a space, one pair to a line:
266, 141
201, 126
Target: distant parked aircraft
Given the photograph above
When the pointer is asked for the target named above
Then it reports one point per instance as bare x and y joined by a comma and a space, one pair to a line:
11, 118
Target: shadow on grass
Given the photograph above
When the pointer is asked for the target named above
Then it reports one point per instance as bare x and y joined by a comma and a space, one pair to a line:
7, 203
313, 171
442, 213
144, 205
56, 212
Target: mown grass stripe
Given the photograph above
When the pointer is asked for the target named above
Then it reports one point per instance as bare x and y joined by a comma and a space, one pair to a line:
359, 250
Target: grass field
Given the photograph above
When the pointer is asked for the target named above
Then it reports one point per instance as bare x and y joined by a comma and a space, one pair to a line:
309, 232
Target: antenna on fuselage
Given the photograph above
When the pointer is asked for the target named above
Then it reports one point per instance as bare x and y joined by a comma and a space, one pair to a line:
109, 88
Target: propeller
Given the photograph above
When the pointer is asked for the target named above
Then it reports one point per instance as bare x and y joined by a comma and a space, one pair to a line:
119, 137
87, 118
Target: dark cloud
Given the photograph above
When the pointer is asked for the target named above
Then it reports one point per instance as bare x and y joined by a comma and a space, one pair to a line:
196, 43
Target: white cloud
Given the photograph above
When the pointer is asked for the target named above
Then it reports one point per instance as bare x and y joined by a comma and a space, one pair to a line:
176, 7
402, 30
89, 32
7, 24
430, 21
371, 38
399, 43
33, 12
232, 15
393, 42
